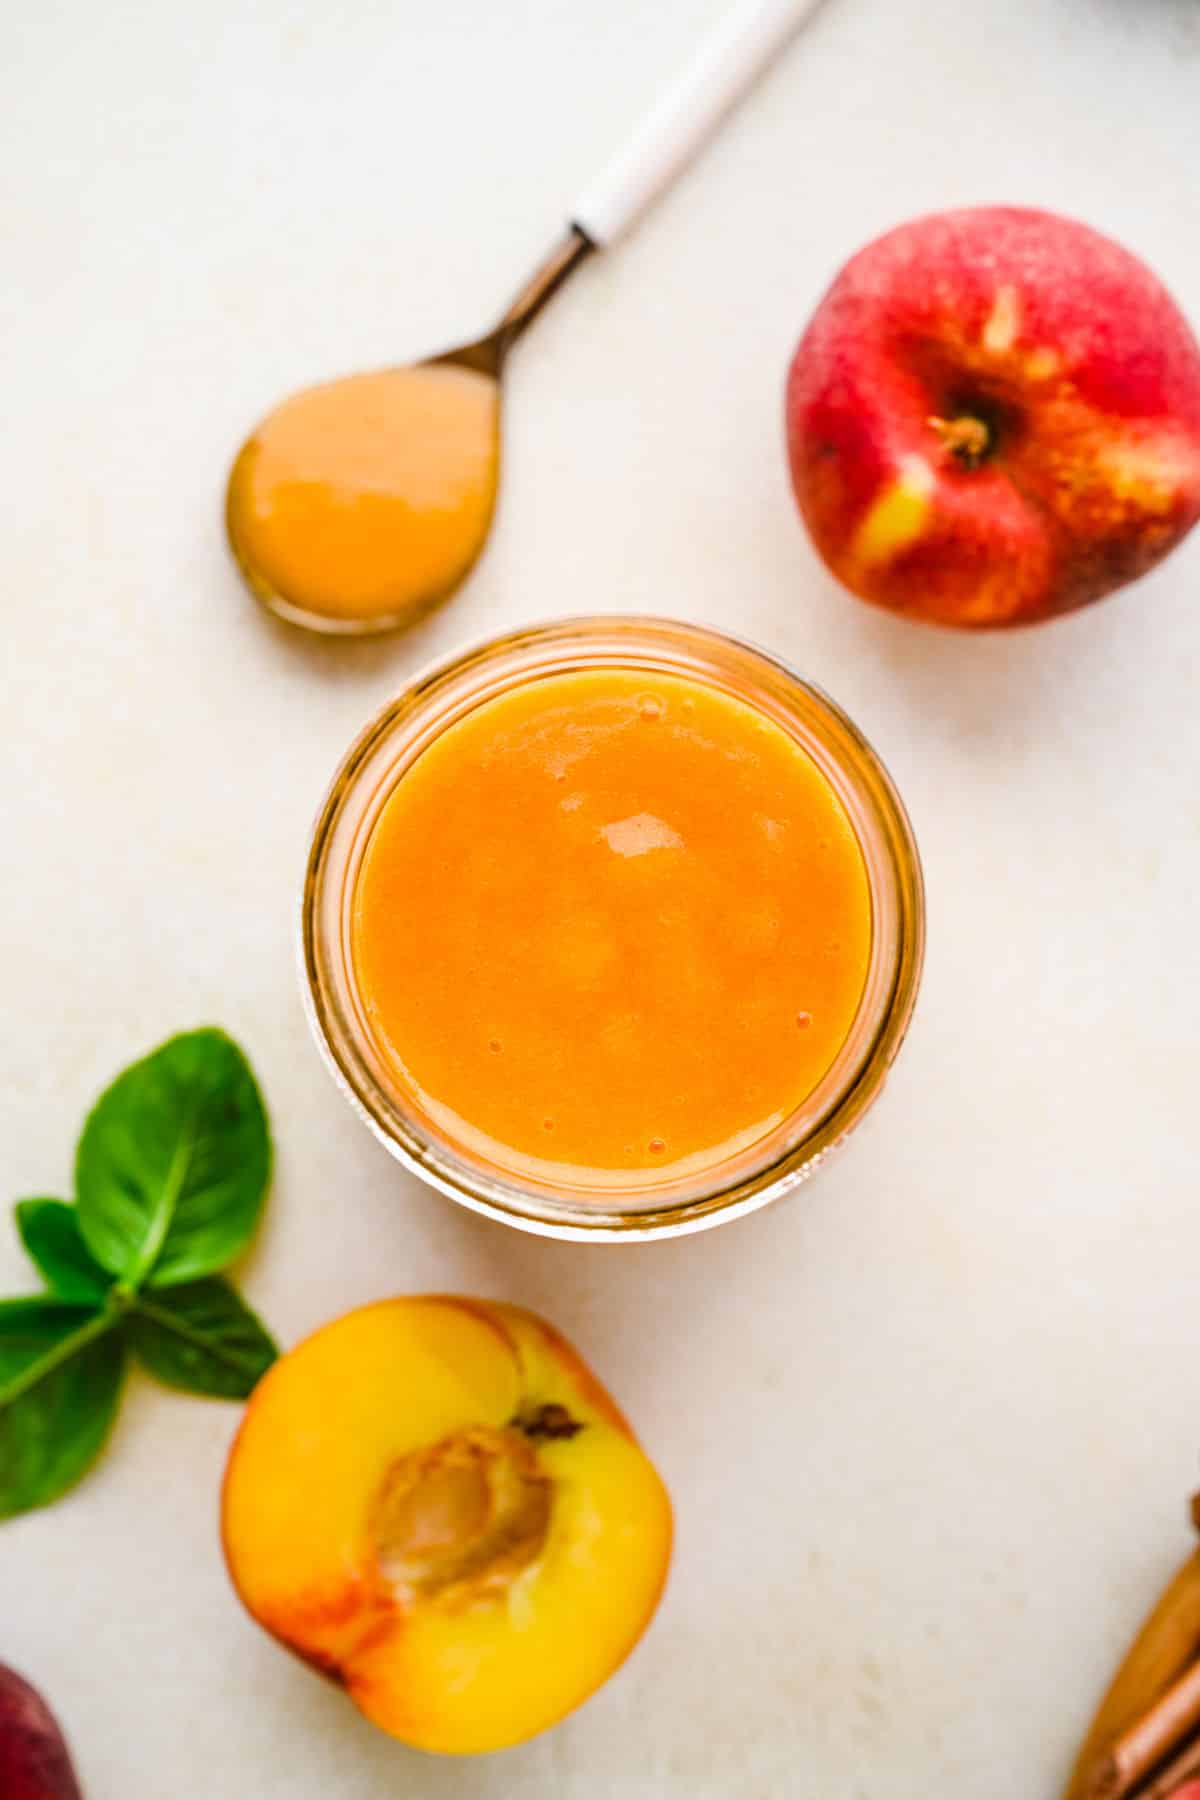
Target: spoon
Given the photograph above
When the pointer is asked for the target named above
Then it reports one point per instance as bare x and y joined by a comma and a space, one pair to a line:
358, 505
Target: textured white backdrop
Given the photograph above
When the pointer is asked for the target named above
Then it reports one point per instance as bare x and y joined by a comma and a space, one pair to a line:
930, 1426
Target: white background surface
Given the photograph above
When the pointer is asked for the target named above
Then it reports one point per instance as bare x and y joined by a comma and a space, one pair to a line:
929, 1427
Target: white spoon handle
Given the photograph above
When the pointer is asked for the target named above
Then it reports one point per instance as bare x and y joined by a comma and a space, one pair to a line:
723, 70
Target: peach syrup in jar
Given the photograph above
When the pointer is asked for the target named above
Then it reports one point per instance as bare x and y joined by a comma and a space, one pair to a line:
612, 923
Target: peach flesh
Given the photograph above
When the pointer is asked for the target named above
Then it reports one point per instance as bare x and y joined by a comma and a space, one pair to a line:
433, 1501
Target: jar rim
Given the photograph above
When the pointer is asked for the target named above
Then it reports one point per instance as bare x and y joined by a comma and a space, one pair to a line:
428, 704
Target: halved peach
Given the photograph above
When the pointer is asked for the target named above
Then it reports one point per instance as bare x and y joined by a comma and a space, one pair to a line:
435, 1502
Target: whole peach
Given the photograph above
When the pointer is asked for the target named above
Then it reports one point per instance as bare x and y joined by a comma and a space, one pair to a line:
34, 1764
994, 417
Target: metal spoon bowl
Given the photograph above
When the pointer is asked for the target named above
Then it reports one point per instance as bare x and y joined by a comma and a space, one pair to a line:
349, 514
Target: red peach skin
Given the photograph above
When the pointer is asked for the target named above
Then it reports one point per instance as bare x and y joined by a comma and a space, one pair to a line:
994, 417
34, 1764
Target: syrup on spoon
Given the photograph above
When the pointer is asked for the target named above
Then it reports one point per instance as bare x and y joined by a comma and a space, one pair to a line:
358, 505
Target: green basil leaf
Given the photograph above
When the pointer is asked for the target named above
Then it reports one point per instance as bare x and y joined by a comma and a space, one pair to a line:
50, 1232
173, 1164
202, 1337
60, 1380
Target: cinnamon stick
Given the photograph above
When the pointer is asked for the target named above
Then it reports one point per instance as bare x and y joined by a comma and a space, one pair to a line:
1165, 1649
1167, 1785
1139, 1750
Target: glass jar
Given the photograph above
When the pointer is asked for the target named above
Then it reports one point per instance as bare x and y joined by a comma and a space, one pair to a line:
658, 1207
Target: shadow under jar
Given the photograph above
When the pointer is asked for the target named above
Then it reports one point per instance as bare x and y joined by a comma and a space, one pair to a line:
639, 827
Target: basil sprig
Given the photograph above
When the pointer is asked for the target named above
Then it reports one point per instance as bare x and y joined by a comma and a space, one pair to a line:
171, 1173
